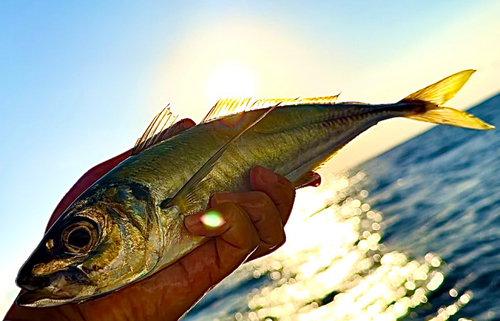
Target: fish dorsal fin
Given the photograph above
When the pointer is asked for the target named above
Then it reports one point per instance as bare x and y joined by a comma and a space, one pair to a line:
440, 92
229, 106
156, 132
185, 196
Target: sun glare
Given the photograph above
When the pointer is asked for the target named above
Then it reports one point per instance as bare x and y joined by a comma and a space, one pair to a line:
230, 81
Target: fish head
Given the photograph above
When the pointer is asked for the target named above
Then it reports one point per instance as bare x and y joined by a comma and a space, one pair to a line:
97, 246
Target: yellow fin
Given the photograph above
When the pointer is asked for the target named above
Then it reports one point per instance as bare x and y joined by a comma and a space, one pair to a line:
453, 117
157, 131
230, 106
227, 106
439, 93
443, 90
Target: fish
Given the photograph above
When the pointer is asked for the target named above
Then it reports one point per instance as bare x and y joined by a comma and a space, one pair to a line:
130, 223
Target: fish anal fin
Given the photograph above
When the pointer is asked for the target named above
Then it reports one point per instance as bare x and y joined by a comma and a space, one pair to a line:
323, 163
229, 106
157, 131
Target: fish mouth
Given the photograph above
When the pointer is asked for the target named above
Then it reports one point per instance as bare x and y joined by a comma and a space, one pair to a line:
40, 299
66, 286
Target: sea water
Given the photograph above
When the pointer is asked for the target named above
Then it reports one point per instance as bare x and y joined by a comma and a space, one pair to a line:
413, 234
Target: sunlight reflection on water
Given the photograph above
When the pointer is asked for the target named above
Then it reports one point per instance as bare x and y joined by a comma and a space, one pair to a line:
333, 265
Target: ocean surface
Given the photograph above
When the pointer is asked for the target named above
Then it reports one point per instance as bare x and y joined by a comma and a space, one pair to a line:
413, 234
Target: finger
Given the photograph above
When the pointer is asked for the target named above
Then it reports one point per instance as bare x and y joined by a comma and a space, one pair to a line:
185, 123
263, 214
178, 127
169, 293
236, 237
84, 182
279, 189
310, 179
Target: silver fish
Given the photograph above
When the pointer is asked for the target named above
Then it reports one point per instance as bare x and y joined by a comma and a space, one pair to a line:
129, 224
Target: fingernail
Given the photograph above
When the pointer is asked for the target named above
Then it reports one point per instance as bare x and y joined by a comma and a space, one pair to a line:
212, 219
266, 175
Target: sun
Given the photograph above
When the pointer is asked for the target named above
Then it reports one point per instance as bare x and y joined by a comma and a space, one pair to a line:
230, 80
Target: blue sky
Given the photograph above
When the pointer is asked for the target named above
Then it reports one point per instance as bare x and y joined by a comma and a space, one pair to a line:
80, 81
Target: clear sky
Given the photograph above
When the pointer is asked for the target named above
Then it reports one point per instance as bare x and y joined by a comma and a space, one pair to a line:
80, 80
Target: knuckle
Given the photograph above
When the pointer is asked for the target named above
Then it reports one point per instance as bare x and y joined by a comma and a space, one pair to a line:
256, 202
257, 194
230, 210
263, 198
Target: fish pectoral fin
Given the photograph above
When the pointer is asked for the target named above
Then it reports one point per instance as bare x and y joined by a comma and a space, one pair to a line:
431, 97
188, 191
157, 131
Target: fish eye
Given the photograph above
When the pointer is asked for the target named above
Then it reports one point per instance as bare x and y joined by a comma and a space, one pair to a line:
80, 237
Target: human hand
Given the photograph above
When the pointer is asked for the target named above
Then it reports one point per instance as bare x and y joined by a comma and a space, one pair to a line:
253, 227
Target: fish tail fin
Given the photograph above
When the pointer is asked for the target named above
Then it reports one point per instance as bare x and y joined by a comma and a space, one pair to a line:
439, 93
